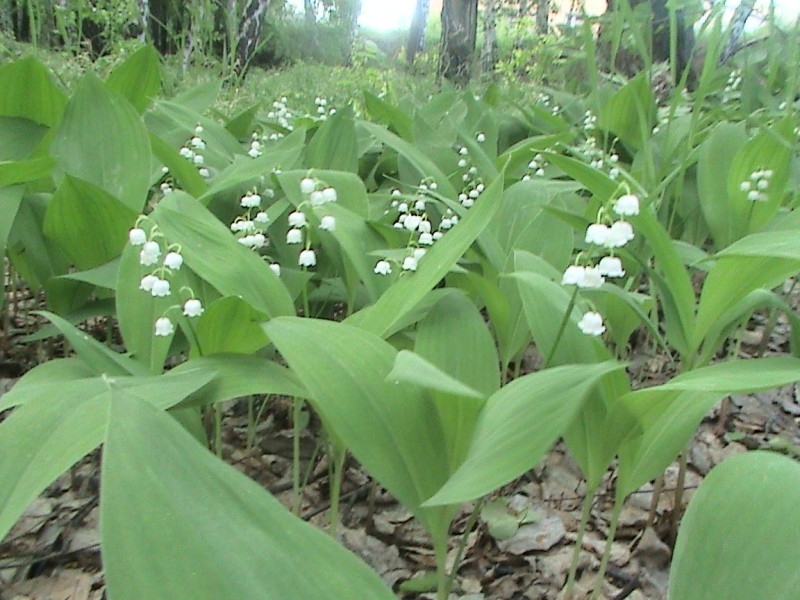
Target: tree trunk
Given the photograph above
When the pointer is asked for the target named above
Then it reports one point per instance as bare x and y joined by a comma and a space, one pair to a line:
144, 19
519, 28
459, 28
310, 12
489, 50
743, 12
249, 33
542, 16
416, 35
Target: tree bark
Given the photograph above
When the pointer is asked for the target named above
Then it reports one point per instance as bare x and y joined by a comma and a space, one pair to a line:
459, 28
249, 33
542, 16
416, 35
740, 16
489, 50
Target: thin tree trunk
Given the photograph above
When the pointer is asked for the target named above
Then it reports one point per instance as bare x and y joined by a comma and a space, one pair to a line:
489, 50
522, 15
740, 16
416, 35
542, 16
144, 19
250, 28
459, 28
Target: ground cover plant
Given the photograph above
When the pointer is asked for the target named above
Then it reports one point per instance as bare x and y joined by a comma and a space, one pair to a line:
451, 282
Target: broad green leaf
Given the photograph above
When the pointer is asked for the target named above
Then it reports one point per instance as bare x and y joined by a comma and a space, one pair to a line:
631, 111
24, 171
390, 427
350, 190
182, 171
241, 124
410, 368
103, 141
716, 155
454, 337
29, 91
594, 180
19, 138
760, 260
211, 251
668, 415
104, 276
424, 165
404, 295
237, 375
738, 538
671, 280
229, 325
99, 357
138, 78
201, 97
62, 421
87, 222
392, 116
177, 543
55, 370
10, 201
517, 425
333, 146
245, 170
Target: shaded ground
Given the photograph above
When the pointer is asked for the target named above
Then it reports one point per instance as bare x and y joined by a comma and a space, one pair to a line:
521, 548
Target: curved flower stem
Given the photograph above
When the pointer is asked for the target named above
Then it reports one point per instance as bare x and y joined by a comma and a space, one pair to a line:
561, 328
601, 574
336, 465
588, 500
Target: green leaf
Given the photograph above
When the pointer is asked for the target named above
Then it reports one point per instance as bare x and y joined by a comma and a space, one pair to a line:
174, 544
237, 375
60, 422
137, 312
19, 138
738, 538
517, 425
390, 427
229, 325
760, 260
211, 251
410, 368
387, 114
24, 171
28, 91
715, 157
56, 370
419, 159
87, 222
631, 111
333, 146
138, 78
10, 201
594, 180
99, 357
103, 141
668, 415
404, 295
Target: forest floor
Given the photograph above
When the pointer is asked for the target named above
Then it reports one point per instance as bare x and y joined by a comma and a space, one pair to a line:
521, 548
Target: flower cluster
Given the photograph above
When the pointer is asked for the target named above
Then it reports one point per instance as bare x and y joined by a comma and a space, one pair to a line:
192, 151
281, 113
251, 229
322, 108
318, 194
606, 234
536, 167
473, 184
157, 281
255, 147
413, 217
757, 185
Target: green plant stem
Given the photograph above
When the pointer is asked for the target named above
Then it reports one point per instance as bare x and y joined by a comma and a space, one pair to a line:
296, 413
598, 588
561, 328
588, 500
337, 471
462, 543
